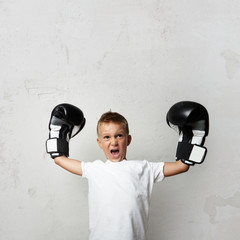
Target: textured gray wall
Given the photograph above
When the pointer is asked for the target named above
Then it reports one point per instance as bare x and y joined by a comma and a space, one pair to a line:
135, 57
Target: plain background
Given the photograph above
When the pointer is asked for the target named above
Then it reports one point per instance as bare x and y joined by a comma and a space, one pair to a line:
137, 57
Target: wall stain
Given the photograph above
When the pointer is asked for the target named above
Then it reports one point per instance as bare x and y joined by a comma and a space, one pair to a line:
32, 192
36, 88
213, 202
232, 62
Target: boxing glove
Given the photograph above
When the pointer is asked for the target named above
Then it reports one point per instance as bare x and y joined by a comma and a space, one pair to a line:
66, 122
191, 121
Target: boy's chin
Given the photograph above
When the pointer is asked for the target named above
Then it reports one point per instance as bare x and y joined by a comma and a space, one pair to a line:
116, 157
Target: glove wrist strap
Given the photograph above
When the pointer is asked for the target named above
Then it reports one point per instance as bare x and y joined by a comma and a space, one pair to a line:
57, 147
190, 153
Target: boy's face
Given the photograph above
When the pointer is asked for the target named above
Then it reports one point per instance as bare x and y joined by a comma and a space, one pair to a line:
113, 140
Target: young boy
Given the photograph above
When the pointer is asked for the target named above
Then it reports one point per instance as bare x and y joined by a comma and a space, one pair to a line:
119, 190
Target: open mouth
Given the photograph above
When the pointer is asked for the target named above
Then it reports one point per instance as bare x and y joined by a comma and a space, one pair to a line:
115, 153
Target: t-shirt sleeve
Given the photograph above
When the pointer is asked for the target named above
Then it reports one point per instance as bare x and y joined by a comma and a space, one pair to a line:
157, 168
84, 169
89, 169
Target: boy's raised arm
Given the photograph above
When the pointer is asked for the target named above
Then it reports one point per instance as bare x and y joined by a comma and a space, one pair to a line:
71, 165
174, 168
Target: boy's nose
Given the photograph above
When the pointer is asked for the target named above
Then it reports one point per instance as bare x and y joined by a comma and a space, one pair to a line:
114, 142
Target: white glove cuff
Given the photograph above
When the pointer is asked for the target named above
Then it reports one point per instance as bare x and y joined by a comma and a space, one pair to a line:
190, 153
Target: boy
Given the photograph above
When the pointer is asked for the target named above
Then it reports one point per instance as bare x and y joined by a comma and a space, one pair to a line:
119, 190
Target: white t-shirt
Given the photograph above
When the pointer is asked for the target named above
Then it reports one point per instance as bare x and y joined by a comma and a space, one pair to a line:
119, 197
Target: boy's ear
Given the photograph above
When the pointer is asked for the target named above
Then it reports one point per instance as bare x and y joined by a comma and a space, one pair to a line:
99, 143
129, 139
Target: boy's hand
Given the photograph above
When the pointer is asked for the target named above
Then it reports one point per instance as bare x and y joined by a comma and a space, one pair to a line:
191, 121
66, 121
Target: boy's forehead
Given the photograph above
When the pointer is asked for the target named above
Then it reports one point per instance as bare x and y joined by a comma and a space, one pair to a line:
111, 126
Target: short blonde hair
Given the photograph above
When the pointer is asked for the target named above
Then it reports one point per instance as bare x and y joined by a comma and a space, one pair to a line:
115, 117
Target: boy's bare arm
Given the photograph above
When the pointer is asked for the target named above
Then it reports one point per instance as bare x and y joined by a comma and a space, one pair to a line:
71, 165
174, 168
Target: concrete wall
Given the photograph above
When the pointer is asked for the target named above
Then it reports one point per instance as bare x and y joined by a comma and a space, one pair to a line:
136, 57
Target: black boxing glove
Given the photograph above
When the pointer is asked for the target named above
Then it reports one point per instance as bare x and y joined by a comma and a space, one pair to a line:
66, 122
191, 121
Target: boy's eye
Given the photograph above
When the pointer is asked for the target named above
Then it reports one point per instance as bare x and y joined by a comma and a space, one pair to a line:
106, 137
119, 135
